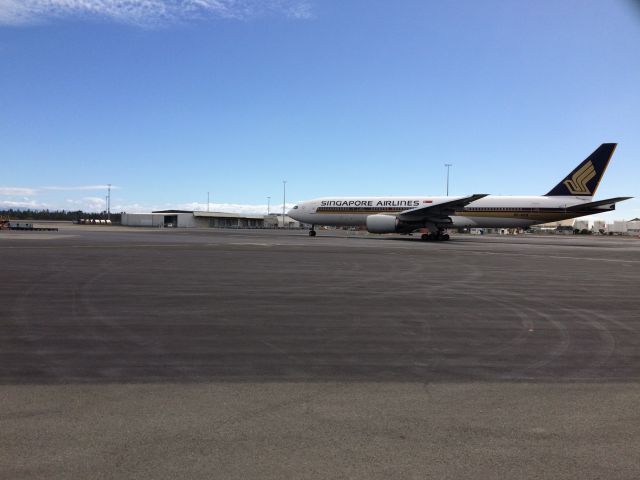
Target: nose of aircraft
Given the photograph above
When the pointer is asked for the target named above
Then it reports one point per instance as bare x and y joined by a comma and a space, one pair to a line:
293, 213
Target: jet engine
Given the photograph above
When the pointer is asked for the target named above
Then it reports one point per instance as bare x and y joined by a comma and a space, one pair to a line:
384, 224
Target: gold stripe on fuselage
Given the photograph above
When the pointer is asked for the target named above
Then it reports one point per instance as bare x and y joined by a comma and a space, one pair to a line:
541, 215
533, 216
363, 212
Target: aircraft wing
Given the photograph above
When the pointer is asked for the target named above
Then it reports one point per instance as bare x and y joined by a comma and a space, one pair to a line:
599, 203
439, 210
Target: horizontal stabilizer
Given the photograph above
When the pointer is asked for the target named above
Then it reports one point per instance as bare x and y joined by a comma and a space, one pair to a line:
599, 203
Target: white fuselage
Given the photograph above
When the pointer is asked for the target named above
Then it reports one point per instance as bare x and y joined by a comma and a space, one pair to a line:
489, 212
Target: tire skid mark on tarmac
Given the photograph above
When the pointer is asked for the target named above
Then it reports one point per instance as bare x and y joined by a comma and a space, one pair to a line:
608, 341
422, 355
516, 300
428, 277
526, 323
619, 338
425, 357
619, 323
530, 319
556, 352
573, 320
339, 283
403, 284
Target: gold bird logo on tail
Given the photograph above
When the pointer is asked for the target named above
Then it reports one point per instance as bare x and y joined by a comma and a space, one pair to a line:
577, 185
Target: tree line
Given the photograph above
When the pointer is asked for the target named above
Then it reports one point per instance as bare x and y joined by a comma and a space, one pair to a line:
74, 216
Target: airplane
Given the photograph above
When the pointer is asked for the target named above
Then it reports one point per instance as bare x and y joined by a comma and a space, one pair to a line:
572, 197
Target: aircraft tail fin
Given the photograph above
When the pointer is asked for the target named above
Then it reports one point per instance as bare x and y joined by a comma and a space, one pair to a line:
583, 180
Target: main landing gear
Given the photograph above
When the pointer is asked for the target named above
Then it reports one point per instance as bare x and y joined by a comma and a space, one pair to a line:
312, 232
435, 237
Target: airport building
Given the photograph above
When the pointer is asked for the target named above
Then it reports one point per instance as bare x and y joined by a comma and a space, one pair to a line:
278, 221
193, 219
633, 226
618, 227
581, 225
598, 226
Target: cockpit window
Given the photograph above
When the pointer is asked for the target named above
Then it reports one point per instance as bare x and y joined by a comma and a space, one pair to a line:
295, 207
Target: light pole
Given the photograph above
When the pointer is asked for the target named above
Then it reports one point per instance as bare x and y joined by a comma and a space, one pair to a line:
448, 165
268, 205
207, 201
284, 199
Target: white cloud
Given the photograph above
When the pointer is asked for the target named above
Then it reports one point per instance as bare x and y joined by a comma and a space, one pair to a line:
31, 191
133, 208
32, 197
259, 209
26, 203
88, 204
301, 10
79, 187
18, 190
147, 12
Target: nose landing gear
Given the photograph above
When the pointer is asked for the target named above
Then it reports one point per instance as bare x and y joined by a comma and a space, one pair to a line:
312, 232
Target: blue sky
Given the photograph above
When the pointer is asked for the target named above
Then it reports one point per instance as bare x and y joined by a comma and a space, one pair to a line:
170, 99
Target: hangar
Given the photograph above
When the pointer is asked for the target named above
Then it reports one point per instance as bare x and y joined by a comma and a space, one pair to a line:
197, 219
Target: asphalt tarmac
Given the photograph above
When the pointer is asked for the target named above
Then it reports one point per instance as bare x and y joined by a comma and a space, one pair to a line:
139, 353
